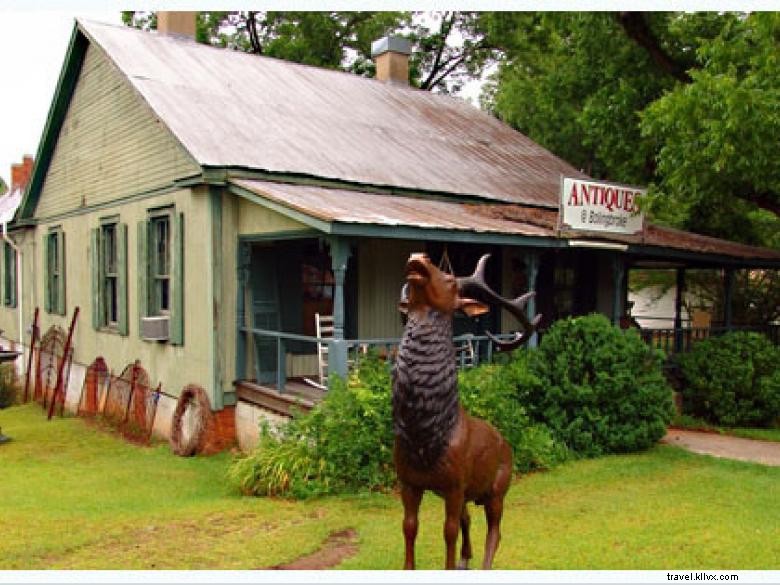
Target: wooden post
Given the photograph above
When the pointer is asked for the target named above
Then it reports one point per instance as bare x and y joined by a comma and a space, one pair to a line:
728, 297
678, 302
33, 337
339, 255
59, 385
618, 274
532, 271
244, 257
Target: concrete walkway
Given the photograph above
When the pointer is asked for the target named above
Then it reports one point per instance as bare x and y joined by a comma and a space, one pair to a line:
764, 452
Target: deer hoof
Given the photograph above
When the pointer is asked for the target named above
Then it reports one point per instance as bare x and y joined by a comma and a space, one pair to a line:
463, 565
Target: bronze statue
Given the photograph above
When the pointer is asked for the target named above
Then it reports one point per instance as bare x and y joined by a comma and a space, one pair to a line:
438, 446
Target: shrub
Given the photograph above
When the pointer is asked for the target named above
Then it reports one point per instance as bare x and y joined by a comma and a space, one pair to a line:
491, 392
601, 388
8, 388
345, 443
733, 380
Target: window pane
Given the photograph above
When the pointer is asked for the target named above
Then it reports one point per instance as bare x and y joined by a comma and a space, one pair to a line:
162, 246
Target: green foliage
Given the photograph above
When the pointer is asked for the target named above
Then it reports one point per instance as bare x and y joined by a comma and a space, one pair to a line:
490, 392
343, 445
9, 391
733, 380
716, 136
602, 389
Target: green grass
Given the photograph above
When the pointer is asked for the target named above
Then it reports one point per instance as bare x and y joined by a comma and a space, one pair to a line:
75, 497
697, 424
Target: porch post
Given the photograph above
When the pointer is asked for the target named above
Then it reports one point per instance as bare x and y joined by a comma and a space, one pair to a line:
243, 277
532, 271
678, 302
728, 297
618, 274
339, 256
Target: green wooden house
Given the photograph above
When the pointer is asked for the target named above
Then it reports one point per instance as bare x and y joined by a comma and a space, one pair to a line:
202, 205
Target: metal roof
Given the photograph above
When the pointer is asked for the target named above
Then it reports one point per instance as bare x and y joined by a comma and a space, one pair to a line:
233, 109
355, 207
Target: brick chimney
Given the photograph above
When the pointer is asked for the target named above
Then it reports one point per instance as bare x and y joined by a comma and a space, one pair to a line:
181, 24
20, 173
391, 56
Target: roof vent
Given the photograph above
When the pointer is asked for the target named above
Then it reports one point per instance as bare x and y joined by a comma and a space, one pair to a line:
391, 56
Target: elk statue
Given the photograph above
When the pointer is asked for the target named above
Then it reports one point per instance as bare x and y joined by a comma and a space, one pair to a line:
438, 446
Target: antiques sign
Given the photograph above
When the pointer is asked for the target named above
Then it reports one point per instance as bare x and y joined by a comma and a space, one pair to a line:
601, 207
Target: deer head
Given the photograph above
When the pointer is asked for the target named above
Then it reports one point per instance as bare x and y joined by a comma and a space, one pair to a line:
428, 287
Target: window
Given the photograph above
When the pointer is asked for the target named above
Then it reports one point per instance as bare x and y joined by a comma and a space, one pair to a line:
161, 269
161, 265
54, 261
109, 276
9, 276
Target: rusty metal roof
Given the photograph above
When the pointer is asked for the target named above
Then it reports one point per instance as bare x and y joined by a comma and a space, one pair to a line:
349, 206
232, 109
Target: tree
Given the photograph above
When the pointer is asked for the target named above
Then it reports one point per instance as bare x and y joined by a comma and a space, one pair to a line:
716, 137
687, 103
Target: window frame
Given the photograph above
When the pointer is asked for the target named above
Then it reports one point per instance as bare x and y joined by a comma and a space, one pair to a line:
54, 262
160, 281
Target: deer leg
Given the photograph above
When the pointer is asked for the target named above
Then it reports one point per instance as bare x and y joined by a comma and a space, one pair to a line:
494, 508
465, 547
411, 498
453, 504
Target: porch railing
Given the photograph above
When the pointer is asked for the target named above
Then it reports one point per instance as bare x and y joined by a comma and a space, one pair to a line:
471, 350
680, 340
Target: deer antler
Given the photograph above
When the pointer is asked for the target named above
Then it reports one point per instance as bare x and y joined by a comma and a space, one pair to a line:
516, 307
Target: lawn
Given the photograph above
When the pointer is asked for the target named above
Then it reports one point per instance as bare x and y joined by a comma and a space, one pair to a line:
695, 424
75, 497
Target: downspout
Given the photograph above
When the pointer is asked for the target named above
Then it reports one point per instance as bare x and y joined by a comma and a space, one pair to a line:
19, 288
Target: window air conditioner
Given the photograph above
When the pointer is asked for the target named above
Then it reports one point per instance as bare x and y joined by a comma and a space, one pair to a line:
155, 328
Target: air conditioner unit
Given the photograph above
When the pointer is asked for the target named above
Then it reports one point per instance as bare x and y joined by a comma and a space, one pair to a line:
155, 328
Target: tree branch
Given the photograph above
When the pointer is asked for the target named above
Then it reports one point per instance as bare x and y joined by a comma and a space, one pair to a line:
636, 27
444, 31
254, 39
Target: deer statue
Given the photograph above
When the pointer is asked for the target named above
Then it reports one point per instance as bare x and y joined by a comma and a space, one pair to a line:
438, 446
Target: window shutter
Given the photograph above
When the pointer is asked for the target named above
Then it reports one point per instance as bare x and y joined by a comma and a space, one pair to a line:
121, 260
12, 267
143, 271
177, 294
61, 261
97, 289
46, 274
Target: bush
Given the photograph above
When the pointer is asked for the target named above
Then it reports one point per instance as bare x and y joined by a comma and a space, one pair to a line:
733, 380
9, 392
345, 444
490, 392
601, 389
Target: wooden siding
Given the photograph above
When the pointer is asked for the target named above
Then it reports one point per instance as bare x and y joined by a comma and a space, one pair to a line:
381, 275
110, 145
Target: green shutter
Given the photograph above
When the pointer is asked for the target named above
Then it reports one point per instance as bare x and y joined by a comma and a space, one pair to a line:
143, 271
61, 262
177, 292
46, 274
97, 292
12, 276
121, 253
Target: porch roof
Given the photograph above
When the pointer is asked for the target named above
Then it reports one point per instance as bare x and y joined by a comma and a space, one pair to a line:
341, 211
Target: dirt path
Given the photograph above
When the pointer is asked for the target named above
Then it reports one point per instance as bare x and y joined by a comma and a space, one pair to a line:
337, 547
764, 452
